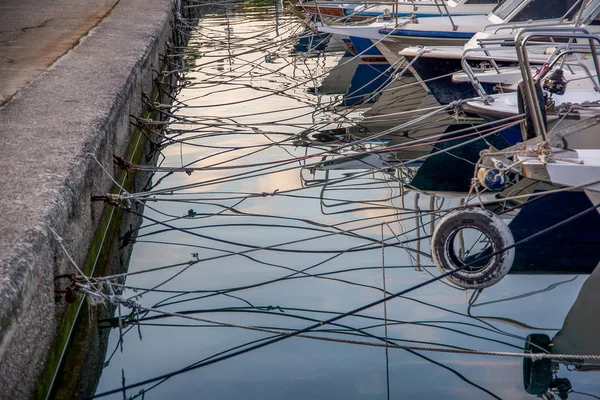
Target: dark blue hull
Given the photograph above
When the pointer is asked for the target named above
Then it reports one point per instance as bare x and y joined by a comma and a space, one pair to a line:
452, 171
443, 89
365, 47
573, 248
512, 135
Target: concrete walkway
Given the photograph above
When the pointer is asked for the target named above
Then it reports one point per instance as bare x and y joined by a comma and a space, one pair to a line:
35, 33
79, 69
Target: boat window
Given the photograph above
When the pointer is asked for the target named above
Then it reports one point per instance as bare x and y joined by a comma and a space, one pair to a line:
504, 9
544, 9
590, 14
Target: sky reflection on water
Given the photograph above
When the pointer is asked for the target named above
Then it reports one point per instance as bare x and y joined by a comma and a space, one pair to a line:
300, 368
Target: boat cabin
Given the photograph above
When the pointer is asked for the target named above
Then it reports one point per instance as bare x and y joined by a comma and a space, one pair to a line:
534, 10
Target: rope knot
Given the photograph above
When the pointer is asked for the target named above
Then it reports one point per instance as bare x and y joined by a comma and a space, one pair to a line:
114, 199
122, 163
119, 299
265, 194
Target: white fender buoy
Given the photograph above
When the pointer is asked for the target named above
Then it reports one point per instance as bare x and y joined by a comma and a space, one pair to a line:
497, 262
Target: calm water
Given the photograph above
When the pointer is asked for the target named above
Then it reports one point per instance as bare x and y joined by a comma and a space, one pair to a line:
248, 94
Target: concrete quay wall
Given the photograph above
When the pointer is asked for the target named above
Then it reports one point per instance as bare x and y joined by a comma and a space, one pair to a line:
53, 131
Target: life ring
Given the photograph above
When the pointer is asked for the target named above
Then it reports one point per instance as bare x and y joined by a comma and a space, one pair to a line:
537, 374
527, 128
473, 275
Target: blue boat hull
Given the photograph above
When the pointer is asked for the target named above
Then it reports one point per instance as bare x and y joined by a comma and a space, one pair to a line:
573, 248
435, 174
364, 47
443, 89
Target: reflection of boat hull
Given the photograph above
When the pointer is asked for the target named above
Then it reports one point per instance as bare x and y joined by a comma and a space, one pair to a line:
339, 79
399, 102
372, 160
367, 83
339, 136
308, 42
580, 333
548, 253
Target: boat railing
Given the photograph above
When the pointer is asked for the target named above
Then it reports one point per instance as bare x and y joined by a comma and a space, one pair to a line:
509, 40
468, 69
562, 55
579, 3
521, 25
498, 43
441, 6
521, 43
505, 42
558, 53
445, 6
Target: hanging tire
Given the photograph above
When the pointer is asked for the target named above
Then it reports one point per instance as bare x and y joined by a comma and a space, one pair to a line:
537, 374
527, 128
482, 271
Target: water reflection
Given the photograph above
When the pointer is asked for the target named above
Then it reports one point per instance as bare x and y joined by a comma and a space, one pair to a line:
300, 204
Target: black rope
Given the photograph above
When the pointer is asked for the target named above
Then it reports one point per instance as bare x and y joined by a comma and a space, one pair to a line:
352, 312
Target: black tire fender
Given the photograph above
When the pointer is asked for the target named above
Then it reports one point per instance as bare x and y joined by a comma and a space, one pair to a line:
537, 374
489, 224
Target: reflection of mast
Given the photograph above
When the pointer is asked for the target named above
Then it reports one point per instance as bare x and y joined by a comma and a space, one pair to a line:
580, 333
229, 29
277, 5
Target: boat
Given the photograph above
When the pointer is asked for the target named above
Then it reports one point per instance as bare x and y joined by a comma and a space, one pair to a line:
405, 17
326, 8
436, 65
560, 104
418, 8
546, 157
454, 28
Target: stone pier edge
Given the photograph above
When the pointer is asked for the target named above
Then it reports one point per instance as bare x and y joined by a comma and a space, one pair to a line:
82, 104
